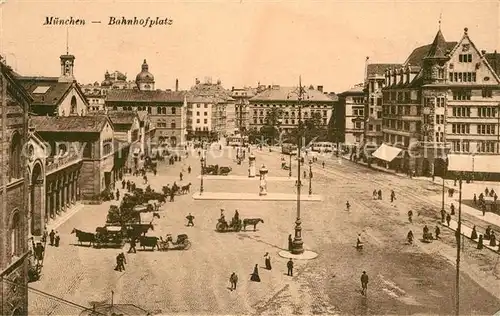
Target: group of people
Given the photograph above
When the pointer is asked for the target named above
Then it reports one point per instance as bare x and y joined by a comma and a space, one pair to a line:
254, 276
481, 201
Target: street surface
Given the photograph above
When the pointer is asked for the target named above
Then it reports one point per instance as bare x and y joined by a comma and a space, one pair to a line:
404, 279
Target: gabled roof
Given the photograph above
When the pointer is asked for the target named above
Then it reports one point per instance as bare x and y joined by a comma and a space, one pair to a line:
438, 47
278, 93
48, 91
379, 69
74, 124
416, 57
159, 96
122, 117
494, 61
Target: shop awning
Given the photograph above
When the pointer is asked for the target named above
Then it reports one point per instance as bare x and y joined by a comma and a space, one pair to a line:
386, 152
474, 163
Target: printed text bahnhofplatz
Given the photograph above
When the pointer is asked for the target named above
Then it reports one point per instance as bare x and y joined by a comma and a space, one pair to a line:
144, 22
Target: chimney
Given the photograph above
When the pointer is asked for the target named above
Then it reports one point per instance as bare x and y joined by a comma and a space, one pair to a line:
320, 89
483, 52
176, 84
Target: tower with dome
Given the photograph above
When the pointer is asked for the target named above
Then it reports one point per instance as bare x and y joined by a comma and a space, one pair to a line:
145, 80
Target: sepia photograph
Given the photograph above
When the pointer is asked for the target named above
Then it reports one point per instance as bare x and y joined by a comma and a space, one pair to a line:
249, 157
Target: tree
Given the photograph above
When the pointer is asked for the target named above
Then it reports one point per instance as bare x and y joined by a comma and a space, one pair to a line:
313, 128
273, 121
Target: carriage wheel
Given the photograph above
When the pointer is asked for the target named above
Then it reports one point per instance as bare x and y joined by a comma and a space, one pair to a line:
219, 227
187, 245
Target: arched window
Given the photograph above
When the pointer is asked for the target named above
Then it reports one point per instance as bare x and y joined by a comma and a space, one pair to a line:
107, 149
172, 125
15, 234
173, 110
15, 165
73, 105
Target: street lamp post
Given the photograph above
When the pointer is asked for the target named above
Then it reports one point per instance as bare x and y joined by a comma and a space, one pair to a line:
201, 177
297, 243
310, 176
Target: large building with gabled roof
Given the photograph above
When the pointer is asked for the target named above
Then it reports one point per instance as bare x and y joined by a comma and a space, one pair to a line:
443, 100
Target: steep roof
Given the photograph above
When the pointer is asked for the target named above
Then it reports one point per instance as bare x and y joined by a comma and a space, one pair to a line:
356, 90
122, 117
159, 96
438, 47
45, 90
416, 57
278, 93
379, 69
12, 78
74, 124
494, 61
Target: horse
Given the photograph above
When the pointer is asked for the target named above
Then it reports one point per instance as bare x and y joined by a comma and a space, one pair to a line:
251, 221
84, 236
186, 188
139, 229
147, 241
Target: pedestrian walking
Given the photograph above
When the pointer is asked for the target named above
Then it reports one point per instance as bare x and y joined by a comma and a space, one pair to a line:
364, 283
132, 246
233, 279
452, 209
123, 184
443, 215
51, 237
410, 215
57, 239
123, 261
255, 274
323, 164
305, 174
155, 171
190, 219
267, 260
172, 194
448, 219
290, 242
474, 199
473, 234
189, 169
289, 266
379, 194
437, 231
45, 234
118, 263
483, 208
480, 242
117, 194
393, 196
180, 175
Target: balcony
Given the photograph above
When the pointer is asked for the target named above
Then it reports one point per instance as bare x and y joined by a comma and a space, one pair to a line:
53, 164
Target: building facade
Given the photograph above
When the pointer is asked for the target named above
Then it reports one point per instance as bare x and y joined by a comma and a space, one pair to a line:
283, 102
211, 111
14, 183
445, 98
242, 98
353, 103
374, 82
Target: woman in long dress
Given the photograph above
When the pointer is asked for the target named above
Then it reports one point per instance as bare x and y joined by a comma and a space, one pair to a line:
267, 258
255, 275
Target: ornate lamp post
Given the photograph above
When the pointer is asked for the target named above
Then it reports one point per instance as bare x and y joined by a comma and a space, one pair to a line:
310, 176
202, 160
298, 244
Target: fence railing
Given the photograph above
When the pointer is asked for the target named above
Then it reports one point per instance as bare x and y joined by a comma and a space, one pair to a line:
52, 164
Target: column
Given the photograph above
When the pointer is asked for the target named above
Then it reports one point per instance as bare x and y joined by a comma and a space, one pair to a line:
72, 188
38, 212
53, 202
47, 207
77, 186
68, 196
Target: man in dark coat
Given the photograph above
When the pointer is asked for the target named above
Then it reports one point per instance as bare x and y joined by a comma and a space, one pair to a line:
364, 283
51, 237
189, 169
132, 245
290, 242
233, 279
289, 265
190, 219
123, 184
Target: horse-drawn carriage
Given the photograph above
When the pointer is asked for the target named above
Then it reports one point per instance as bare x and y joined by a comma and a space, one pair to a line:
110, 237
182, 242
216, 170
234, 226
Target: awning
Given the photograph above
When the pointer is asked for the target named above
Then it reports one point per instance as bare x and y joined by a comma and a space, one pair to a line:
474, 163
386, 152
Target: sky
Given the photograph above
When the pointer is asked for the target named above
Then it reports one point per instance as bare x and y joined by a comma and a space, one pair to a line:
240, 42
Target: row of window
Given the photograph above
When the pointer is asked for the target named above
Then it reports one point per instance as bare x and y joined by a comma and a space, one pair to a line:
285, 114
159, 110
309, 106
460, 94
378, 127
462, 76
164, 125
482, 129
465, 58
285, 121
481, 147
465, 111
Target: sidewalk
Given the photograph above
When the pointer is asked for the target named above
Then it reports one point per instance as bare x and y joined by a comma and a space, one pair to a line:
468, 190
59, 220
466, 232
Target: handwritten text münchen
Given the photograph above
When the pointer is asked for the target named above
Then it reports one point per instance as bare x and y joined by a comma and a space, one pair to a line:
144, 22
